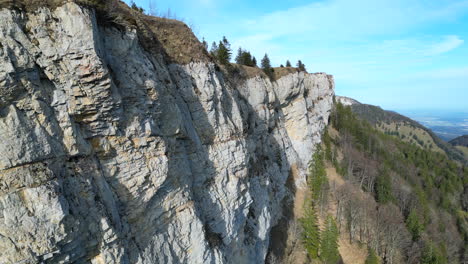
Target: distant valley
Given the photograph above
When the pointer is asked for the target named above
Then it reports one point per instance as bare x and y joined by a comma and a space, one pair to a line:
445, 124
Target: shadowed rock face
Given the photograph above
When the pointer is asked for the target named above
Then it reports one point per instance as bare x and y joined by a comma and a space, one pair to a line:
110, 155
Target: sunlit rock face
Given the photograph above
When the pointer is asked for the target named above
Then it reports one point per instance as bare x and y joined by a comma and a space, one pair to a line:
111, 155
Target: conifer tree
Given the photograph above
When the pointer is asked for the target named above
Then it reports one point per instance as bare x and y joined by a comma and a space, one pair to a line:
137, 8
383, 188
372, 257
245, 58
266, 66
414, 225
214, 50
226, 43
239, 56
328, 150
329, 243
318, 175
432, 255
301, 66
224, 51
288, 63
205, 44
254, 62
311, 233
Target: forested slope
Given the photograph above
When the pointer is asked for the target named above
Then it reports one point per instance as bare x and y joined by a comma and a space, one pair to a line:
406, 129
405, 203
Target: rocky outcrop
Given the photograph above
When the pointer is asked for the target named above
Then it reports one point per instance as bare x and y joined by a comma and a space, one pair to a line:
346, 101
108, 154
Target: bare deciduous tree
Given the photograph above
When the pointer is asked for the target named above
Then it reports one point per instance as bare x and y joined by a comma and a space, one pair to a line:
152, 8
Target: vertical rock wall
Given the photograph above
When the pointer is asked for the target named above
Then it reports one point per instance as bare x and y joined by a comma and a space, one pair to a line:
110, 155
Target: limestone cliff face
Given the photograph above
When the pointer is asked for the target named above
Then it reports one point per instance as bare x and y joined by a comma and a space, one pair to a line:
111, 155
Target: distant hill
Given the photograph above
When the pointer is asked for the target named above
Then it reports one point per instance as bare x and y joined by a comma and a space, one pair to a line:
460, 141
406, 129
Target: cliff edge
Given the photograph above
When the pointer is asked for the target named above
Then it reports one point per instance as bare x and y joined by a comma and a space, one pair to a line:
112, 152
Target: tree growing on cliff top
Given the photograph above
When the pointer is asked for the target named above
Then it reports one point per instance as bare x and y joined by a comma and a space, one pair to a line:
288, 63
301, 66
205, 44
239, 55
244, 58
214, 50
152, 10
224, 51
137, 8
266, 66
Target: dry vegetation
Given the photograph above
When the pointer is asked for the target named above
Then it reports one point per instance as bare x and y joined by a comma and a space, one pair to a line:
410, 134
403, 201
247, 72
31, 5
406, 129
177, 39
171, 38
464, 150
351, 253
283, 71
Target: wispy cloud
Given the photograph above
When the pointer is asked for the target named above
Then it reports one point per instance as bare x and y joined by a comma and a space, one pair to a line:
344, 18
450, 43
349, 32
442, 74
388, 52
413, 47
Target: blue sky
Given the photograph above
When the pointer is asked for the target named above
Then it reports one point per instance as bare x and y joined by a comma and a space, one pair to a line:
399, 54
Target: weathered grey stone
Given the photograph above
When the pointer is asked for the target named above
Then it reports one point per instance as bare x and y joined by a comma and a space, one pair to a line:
110, 155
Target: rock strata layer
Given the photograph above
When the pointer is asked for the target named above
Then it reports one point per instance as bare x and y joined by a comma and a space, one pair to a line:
108, 154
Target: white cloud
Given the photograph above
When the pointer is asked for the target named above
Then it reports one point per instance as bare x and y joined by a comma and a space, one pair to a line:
378, 50
350, 32
460, 73
449, 43
415, 48
344, 18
